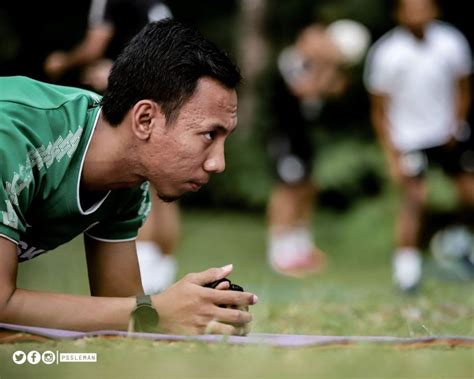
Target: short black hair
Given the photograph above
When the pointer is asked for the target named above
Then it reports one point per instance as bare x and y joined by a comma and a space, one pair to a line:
164, 62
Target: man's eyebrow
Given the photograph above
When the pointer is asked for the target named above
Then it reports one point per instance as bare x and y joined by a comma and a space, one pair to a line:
222, 129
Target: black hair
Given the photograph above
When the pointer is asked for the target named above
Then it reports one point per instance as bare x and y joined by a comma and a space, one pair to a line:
164, 62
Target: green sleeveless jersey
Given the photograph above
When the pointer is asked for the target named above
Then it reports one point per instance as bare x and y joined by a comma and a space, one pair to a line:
45, 131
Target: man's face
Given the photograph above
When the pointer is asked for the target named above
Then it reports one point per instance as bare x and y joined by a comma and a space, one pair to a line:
322, 76
416, 14
182, 154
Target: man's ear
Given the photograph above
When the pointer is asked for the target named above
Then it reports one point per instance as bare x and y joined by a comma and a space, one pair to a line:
146, 115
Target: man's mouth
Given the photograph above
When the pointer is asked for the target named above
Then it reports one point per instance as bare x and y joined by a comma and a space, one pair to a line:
196, 185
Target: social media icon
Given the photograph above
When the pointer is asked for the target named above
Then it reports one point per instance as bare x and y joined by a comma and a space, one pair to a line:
19, 357
48, 357
33, 357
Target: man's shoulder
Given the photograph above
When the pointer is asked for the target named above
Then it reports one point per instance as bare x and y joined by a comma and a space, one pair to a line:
386, 47
33, 93
35, 115
390, 40
447, 33
445, 27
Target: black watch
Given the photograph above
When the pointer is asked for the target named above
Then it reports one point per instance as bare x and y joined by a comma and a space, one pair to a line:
144, 316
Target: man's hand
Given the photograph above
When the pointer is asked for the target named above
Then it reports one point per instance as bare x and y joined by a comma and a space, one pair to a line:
189, 308
55, 65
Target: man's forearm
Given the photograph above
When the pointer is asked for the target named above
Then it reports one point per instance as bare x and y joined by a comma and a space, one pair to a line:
70, 312
380, 126
380, 122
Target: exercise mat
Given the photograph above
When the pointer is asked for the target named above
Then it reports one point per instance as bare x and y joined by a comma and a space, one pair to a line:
12, 333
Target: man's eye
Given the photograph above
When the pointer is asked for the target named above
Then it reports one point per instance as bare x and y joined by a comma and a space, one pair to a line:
210, 136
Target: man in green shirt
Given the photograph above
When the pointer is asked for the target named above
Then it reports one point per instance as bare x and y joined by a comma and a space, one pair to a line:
73, 163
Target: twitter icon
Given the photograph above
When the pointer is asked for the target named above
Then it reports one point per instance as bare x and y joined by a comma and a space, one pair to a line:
19, 357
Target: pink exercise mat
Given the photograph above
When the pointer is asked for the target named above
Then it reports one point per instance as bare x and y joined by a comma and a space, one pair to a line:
13, 333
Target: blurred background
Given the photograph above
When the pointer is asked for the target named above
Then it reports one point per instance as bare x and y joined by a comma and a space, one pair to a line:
254, 31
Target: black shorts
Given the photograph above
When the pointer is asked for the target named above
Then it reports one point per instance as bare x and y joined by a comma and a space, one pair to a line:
292, 154
290, 141
454, 159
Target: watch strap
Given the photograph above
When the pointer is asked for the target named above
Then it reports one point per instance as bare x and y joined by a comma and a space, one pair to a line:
144, 317
144, 300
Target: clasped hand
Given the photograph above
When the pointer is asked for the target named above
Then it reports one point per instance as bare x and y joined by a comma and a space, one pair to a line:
189, 308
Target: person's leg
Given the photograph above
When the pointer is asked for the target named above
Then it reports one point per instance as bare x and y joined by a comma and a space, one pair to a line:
465, 189
407, 259
291, 204
157, 241
454, 243
291, 250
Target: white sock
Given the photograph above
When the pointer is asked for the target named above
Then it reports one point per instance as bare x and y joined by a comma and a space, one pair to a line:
407, 267
158, 271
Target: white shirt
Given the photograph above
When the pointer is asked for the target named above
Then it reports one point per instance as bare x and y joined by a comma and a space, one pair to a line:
420, 79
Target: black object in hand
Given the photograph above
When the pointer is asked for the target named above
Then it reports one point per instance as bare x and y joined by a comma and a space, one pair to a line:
232, 287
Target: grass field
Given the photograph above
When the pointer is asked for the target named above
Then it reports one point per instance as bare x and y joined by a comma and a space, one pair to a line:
353, 297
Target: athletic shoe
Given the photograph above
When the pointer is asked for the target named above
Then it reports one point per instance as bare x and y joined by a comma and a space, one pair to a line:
302, 264
293, 253
453, 249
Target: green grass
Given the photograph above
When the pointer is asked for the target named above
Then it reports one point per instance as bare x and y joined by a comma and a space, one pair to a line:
353, 297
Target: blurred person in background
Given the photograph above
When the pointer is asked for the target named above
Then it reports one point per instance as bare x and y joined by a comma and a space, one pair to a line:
111, 25
418, 77
317, 67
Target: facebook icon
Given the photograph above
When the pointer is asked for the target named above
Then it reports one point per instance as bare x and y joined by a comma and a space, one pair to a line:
33, 357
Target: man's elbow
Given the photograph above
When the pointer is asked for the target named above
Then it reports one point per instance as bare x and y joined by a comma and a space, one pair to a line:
6, 296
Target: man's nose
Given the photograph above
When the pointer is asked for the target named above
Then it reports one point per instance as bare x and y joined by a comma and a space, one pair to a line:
215, 163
